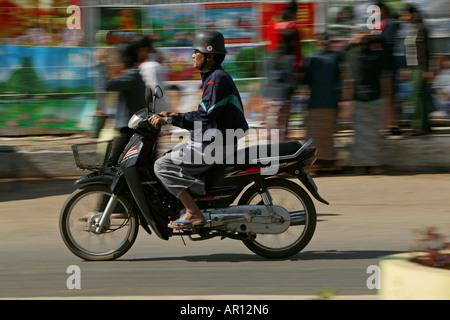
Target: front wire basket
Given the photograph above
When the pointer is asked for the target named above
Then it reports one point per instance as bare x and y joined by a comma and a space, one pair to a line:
93, 155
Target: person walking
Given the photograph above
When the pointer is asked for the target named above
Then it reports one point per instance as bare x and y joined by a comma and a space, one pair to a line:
131, 98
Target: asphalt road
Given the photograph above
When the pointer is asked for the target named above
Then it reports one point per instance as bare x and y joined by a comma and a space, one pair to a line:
368, 217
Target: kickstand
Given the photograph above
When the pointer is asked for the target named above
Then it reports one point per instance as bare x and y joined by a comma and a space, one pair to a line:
183, 240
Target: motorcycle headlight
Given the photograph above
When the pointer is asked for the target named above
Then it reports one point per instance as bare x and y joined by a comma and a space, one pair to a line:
134, 121
136, 118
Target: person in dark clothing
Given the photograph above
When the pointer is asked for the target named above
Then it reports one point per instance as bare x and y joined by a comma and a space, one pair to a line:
323, 78
388, 29
220, 109
131, 97
366, 56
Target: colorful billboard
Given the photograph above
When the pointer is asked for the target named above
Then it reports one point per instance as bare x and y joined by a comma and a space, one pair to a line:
47, 87
41, 23
171, 25
235, 20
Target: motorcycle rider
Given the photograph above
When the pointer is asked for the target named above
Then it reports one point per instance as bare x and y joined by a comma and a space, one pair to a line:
220, 108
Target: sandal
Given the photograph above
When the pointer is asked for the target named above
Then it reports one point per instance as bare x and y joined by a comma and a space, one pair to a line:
186, 224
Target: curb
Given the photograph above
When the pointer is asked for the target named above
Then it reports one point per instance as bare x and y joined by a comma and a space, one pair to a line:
49, 159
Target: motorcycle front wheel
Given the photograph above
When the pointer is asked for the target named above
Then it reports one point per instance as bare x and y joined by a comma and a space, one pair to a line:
81, 213
294, 199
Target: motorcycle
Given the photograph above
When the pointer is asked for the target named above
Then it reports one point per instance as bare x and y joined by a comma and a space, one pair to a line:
272, 215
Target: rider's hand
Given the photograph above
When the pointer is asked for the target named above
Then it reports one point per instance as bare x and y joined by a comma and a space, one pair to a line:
168, 114
157, 121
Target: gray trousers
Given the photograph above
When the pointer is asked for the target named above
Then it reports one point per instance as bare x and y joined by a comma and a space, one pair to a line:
178, 168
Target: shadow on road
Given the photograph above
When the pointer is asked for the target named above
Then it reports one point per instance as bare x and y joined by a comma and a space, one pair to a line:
308, 255
22, 189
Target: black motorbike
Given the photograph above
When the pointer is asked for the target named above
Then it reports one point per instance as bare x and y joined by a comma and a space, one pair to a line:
272, 215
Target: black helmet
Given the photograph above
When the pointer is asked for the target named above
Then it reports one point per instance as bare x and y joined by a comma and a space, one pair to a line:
209, 41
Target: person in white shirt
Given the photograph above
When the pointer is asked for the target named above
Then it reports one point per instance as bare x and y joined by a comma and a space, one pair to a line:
151, 69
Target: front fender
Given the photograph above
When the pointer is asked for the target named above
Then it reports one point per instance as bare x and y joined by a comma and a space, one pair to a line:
113, 178
95, 177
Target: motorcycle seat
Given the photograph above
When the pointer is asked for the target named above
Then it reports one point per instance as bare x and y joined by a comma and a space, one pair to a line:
253, 154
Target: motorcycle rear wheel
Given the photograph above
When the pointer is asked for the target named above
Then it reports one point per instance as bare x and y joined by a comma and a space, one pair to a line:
294, 198
77, 225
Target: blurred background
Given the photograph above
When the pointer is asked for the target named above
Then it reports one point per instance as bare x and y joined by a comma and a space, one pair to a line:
51, 57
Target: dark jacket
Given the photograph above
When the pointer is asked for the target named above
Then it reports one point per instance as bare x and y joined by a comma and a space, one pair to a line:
131, 89
366, 63
389, 34
323, 77
220, 107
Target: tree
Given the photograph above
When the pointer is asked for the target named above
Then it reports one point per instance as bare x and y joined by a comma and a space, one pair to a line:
25, 79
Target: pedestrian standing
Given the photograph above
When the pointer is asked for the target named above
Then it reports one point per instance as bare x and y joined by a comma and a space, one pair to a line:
417, 60
323, 78
366, 54
388, 31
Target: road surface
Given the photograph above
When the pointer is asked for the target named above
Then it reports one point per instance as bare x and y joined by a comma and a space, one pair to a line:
368, 217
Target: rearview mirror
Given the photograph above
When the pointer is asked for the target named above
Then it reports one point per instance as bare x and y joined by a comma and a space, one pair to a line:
158, 92
148, 96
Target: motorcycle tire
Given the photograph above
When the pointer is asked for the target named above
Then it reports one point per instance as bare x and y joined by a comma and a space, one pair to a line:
85, 205
284, 193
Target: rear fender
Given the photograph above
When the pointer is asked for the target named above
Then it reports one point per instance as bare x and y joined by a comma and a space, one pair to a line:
308, 182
